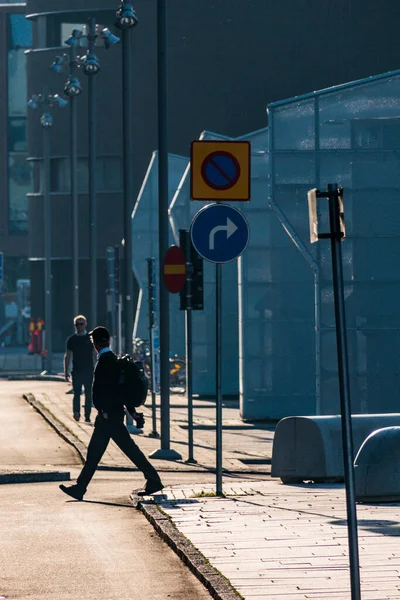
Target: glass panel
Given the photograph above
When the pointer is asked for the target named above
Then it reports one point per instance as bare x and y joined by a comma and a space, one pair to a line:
108, 174
19, 37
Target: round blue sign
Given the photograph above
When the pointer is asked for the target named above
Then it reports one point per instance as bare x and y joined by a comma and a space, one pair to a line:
220, 233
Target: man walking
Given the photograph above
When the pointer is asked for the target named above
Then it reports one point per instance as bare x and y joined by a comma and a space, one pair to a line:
80, 347
109, 423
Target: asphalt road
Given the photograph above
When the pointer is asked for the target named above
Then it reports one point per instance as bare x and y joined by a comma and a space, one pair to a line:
54, 548
26, 440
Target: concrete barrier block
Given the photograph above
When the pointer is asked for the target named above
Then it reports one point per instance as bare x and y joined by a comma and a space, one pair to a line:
310, 447
377, 467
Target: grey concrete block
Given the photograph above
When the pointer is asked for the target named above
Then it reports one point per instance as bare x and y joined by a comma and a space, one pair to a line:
310, 447
377, 467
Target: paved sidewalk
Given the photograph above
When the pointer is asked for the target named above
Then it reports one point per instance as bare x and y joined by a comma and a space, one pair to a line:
276, 542
271, 541
246, 447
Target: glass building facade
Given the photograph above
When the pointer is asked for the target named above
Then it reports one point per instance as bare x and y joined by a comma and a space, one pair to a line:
19, 38
279, 339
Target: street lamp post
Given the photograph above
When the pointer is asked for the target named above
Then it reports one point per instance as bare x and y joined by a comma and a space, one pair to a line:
165, 452
72, 89
91, 67
126, 20
46, 121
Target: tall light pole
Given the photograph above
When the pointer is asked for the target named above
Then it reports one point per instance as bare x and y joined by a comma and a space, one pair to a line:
46, 121
165, 451
126, 20
72, 89
91, 67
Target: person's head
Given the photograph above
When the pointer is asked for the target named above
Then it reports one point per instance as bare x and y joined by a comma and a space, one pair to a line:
80, 323
100, 337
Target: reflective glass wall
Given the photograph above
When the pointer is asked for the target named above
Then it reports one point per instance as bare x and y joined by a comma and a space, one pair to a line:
346, 135
19, 38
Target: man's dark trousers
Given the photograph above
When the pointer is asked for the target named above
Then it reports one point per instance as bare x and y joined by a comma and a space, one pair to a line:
79, 379
113, 428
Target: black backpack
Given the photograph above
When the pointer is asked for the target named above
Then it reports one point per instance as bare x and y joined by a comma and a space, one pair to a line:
133, 384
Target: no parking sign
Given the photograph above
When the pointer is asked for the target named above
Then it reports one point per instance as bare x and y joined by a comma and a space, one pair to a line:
220, 171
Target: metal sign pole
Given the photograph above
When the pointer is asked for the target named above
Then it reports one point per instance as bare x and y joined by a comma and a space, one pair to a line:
218, 364
118, 323
151, 296
344, 386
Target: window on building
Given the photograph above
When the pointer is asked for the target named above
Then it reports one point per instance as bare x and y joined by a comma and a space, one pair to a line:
19, 38
108, 174
66, 30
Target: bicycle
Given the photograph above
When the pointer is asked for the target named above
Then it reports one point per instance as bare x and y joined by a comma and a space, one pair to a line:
177, 371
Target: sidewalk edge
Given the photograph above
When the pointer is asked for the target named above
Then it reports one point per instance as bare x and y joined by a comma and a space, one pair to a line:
34, 477
219, 587
59, 427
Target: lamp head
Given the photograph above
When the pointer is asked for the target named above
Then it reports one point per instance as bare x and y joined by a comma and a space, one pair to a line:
109, 38
72, 87
57, 64
75, 38
46, 120
91, 65
33, 103
126, 16
61, 103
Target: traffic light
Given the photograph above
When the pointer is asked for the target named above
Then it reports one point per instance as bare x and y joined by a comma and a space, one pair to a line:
192, 293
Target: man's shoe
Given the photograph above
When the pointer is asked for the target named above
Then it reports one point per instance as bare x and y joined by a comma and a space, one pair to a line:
87, 420
77, 416
72, 490
150, 488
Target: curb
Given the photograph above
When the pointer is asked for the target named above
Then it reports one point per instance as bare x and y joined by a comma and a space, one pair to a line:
219, 587
34, 477
59, 427
14, 377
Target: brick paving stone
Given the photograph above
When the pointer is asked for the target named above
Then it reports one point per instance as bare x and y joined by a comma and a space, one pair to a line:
294, 546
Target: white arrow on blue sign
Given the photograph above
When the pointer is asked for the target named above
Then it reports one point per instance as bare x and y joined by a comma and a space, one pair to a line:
220, 233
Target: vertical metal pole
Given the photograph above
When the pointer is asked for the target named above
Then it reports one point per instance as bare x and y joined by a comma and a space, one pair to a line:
186, 244
151, 295
127, 111
47, 246
111, 287
118, 324
74, 188
344, 387
165, 452
163, 219
92, 178
218, 368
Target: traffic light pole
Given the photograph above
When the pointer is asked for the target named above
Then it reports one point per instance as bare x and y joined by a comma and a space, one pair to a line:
151, 295
186, 246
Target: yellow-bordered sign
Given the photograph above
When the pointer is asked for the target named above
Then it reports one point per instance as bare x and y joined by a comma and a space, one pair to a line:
220, 171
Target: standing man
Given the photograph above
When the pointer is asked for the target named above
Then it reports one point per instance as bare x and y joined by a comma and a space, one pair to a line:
80, 347
109, 423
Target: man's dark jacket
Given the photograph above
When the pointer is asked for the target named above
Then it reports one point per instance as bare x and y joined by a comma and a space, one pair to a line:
104, 391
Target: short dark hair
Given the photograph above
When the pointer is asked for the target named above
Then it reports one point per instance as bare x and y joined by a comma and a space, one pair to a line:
100, 335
